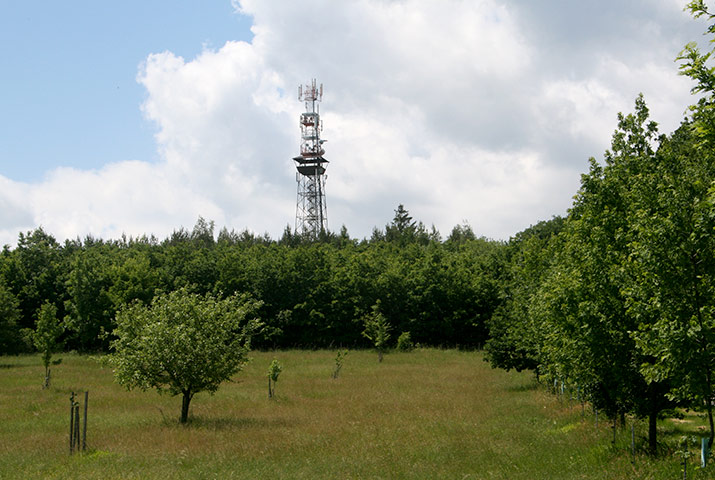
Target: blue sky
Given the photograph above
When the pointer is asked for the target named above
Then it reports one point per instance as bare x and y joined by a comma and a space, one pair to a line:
70, 95
138, 117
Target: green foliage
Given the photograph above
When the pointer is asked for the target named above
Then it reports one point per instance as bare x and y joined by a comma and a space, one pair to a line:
274, 371
183, 343
46, 337
404, 342
570, 298
516, 337
89, 306
377, 330
674, 260
339, 360
135, 274
673, 256
34, 273
10, 338
402, 229
694, 63
620, 301
585, 298
313, 293
461, 234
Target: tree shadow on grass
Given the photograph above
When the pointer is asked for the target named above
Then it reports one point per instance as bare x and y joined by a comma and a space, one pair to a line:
12, 365
226, 423
525, 387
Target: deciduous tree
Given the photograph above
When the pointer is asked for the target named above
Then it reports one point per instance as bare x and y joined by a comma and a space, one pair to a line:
584, 299
183, 343
46, 337
377, 330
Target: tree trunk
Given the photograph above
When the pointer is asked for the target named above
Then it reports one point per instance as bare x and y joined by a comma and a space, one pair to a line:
653, 431
185, 401
615, 425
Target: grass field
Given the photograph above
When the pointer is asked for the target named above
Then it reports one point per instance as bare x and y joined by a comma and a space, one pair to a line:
433, 414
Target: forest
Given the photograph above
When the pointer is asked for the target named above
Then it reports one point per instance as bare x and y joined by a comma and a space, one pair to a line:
314, 293
616, 299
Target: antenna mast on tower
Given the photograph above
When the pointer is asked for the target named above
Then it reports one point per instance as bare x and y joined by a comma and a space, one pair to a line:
311, 218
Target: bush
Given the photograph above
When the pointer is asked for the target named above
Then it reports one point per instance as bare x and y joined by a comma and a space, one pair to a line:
404, 342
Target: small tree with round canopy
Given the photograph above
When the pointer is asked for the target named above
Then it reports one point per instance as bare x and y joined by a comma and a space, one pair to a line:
183, 343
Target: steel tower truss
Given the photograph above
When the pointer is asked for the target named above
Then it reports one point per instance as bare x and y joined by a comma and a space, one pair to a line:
311, 217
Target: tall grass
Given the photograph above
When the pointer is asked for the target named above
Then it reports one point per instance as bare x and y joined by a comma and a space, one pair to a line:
424, 414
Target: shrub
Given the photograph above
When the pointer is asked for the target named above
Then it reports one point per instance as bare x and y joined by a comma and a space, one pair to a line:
404, 342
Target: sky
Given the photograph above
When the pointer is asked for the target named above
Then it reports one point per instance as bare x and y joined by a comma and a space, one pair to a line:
139, 117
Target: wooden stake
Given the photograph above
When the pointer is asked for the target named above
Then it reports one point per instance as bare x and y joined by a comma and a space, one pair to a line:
76, 425
71, 421
84, 425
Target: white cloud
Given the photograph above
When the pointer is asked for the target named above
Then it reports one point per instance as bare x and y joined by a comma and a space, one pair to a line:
15, 211
484, 111
125, 197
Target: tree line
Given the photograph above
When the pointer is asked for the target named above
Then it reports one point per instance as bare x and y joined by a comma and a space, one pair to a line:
313, 293
618, 299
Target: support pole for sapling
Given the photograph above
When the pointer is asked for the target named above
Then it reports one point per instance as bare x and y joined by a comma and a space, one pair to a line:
596, 410
76, 425
72, 422
84, 425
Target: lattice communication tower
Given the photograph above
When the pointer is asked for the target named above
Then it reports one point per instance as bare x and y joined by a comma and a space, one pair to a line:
311, 213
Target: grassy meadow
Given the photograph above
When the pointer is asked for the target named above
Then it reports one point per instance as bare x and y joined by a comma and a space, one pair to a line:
425, 414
